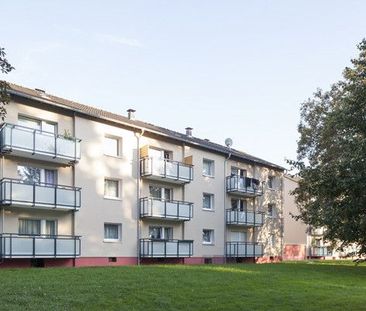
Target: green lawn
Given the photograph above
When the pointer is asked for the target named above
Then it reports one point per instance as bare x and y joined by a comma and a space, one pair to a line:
286, 286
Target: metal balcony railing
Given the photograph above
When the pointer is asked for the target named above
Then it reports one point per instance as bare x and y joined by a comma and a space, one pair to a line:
39, 246
244, 186
320, 251
243, 249
173, 171
245, 218
167, 209
24, 141
20, 193
150, 248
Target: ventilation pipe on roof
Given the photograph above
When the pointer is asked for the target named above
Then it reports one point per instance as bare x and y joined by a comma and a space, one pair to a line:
189, 131
131, 114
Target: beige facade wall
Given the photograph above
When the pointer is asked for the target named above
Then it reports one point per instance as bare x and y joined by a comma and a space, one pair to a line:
96, 210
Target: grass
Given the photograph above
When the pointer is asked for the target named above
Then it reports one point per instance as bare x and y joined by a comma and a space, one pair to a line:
286, 286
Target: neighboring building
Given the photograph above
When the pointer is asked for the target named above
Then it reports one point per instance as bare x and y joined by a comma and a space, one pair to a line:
301, 241
81, 186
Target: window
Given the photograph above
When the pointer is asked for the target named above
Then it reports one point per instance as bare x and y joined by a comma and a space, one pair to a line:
160, 193
235, 171
238, 236
208, 168
271, 182
45, 126
238, 205
37, 175
111, 188
160, 154
37, 226
160, 233
207, 236
30, 226
111, 146
271, 210
112, 232
208, 201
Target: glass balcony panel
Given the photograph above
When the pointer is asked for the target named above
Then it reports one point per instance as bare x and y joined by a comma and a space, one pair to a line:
171, 249
185, 172
44, 246
45, 142
44, 195
171, 169
157, 208
66, 147
20, 192
66, 197
172, 209
184, 249
184, 210
20, 246
66, 247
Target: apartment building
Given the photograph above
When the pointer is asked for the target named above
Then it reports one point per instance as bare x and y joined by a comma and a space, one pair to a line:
85, 187
300, 240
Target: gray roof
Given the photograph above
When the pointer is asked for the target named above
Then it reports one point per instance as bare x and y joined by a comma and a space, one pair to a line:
43, 97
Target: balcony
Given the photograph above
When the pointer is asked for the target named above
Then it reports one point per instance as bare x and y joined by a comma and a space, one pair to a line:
163, 209
320, 251
15, 192
167, 170
244, 186
36, 246
27, 142
243, 249
244, 218
166, 248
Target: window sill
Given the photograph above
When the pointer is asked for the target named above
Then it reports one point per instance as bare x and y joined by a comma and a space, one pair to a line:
111, 241
112, 198
113, 156
208, 244
208, 210
209, 176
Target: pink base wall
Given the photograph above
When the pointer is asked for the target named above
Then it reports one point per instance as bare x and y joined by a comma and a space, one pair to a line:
201, 260
104, 261
294, 252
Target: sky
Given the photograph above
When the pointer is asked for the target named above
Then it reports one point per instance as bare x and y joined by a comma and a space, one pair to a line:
237, 69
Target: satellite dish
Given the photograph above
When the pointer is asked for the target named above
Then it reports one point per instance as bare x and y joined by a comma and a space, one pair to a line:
228, 142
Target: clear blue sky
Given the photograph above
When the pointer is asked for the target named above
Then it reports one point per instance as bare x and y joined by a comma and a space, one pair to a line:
236, 69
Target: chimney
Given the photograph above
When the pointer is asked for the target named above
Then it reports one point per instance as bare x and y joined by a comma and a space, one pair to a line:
131, 114
189, 131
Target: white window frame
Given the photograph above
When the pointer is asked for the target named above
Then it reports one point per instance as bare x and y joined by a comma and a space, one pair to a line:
119, 226
162, 231
42, 225
118, 148
212, 201
42, 170
41, 123
162, 189
211, 164
119, 189
212, 237
272, 240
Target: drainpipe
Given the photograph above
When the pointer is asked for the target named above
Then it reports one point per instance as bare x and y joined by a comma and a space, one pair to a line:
73, 220
225, 227
138, 193
183, 190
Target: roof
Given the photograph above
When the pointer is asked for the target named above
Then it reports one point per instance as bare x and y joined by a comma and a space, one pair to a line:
43, 97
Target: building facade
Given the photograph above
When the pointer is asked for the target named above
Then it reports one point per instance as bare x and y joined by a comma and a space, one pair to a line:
84, 187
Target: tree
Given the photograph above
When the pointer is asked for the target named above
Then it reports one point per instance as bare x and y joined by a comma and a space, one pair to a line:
4, 96
331, 158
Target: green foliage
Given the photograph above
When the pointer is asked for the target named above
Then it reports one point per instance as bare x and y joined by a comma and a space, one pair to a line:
5, 68
332, 158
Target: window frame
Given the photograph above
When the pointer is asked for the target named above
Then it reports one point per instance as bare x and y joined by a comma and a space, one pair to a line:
271, 182
42, 226
271, 206
212, 201
119, 189
211, 174
212, 237
41, 123
162, 232
119, 231
118, 147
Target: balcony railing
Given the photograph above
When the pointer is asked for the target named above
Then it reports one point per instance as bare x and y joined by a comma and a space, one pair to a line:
24, 141
173, 171
20, 193
170, 210
244, 186
39, 246
245, 218
320, 251
150, 248
243, 249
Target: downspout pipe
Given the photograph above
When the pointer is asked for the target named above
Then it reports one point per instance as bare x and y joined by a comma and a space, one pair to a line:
138, 194
225, 227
